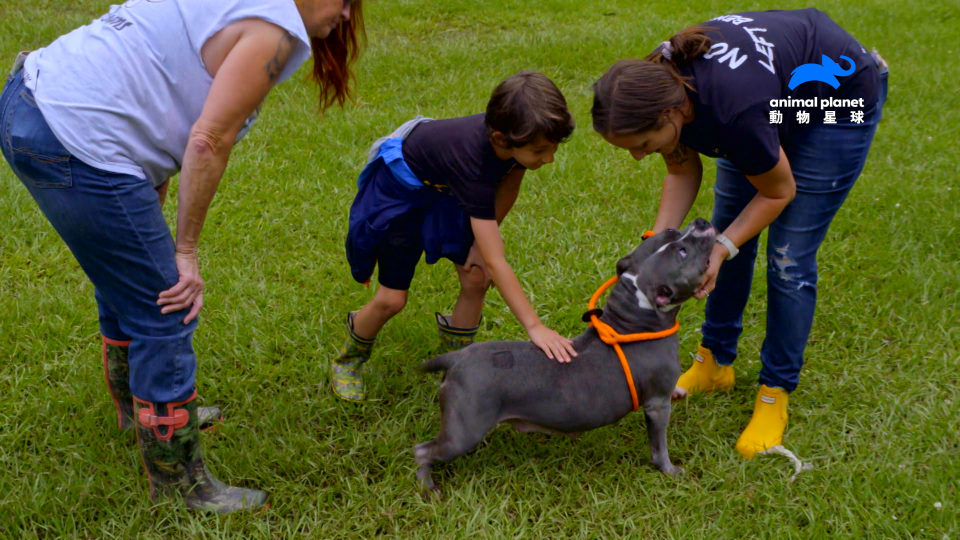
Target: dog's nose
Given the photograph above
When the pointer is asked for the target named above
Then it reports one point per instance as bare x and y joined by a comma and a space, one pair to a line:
701, 224
701, 233
703, 228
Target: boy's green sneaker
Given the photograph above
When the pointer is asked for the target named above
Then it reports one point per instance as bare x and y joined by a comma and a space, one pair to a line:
345, 378
453, 338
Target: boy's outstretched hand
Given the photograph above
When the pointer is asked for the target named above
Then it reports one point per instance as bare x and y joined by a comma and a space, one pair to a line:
553, 344
490, 245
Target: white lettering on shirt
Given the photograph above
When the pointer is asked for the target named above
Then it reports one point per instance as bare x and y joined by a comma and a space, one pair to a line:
764, 47
715, 49
730, 57
733, 19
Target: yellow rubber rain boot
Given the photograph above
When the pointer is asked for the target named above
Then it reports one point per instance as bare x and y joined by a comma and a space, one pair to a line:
769, 421
706, 375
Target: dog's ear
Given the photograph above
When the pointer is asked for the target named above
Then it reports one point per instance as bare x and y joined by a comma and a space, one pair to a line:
624, 264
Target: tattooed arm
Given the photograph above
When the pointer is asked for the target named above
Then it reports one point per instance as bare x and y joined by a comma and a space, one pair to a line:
680, 187
246, 60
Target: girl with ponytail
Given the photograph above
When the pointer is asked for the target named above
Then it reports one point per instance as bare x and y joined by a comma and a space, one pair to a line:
715, 90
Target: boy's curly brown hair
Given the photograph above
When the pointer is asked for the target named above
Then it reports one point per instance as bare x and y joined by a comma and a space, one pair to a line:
526, 106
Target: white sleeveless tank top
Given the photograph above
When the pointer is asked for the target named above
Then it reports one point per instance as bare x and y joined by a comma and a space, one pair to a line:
122, 93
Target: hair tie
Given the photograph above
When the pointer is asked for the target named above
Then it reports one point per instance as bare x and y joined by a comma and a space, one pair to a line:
666, 49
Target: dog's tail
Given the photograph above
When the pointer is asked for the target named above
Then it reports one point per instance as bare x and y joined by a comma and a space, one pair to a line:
440, 363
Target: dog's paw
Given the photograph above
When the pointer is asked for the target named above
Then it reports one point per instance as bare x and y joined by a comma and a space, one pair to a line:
431, 494
669, 469
673, 471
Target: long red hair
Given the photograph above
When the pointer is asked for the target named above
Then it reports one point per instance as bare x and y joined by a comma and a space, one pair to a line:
334, 56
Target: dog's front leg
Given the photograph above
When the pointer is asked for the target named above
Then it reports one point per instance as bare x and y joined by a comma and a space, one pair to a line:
657, 413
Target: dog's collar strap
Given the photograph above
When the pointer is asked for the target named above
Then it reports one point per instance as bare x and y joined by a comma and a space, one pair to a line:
611, 337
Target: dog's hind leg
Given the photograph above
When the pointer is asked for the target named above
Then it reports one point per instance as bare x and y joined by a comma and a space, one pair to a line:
463, 424
423, 454
657, 413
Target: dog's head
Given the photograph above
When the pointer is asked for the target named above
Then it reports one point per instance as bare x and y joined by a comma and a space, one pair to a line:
664, 271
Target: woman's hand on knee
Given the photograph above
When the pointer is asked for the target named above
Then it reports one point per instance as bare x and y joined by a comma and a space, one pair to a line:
188, 292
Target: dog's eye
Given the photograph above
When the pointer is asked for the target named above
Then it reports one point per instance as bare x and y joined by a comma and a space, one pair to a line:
683, 253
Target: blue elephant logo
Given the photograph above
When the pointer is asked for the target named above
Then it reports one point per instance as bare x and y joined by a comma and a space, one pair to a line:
827, 72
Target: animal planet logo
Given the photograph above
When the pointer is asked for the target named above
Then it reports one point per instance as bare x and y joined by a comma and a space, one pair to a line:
827, 71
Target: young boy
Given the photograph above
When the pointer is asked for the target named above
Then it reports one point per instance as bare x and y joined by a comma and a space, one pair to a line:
443, 187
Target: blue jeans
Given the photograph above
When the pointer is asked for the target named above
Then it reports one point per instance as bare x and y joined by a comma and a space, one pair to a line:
826, 161
114, 226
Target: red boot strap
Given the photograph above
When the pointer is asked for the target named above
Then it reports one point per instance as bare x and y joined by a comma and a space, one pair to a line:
178, 420
115, 342
148, 417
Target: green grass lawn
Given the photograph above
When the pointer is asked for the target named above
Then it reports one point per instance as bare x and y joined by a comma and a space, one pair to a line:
877, 412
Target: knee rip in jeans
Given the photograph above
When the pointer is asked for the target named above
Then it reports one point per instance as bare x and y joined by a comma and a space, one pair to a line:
781, 264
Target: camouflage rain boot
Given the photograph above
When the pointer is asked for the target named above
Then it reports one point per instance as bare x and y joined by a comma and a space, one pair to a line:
116, 369
453, 338
345, 378
169, 438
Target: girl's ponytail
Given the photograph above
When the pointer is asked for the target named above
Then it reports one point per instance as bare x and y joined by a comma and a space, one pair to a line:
681, 49
631, 96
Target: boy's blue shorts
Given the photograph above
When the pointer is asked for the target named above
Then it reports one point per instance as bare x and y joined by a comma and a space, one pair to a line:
392, 224
398, 253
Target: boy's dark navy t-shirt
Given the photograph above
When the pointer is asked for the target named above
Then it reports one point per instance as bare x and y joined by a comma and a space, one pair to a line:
455, 155
751, 60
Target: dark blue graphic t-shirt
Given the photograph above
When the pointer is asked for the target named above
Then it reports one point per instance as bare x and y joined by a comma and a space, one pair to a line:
751, 59
454, 155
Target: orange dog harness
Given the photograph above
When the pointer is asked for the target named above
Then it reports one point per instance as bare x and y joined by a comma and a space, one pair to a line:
611, 337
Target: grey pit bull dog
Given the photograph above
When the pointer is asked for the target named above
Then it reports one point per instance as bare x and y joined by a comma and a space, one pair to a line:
513, 381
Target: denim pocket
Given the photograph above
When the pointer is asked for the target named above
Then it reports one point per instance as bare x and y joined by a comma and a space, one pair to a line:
38, 158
